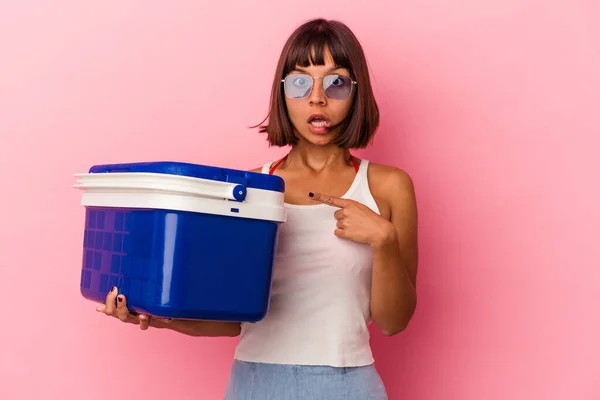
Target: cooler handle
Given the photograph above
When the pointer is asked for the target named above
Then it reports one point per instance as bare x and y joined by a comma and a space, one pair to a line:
201, 187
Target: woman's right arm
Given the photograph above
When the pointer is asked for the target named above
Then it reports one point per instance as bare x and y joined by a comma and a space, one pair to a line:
198, 328
116, 306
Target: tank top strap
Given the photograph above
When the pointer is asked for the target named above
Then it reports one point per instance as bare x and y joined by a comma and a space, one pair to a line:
266, 168
363, 167
364, 189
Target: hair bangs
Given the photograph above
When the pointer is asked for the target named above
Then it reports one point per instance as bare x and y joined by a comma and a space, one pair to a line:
310, 48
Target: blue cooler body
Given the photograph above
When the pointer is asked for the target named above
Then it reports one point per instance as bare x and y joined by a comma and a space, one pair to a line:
181, 240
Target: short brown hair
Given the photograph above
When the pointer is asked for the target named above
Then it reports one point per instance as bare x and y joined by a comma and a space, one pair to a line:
306, 45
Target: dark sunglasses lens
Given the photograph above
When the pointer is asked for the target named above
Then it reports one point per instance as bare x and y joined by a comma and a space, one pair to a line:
297, 86
337, 87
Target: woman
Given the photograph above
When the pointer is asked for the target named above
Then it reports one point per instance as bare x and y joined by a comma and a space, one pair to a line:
348, 252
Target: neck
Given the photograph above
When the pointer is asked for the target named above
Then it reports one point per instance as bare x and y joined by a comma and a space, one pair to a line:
316, 157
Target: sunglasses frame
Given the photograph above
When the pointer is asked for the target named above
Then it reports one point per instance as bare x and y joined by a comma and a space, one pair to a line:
312, 85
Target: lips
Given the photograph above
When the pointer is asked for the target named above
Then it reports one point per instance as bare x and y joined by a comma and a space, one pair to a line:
318, 117
318, 123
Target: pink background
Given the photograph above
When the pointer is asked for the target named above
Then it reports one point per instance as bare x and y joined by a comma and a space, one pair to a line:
492, 107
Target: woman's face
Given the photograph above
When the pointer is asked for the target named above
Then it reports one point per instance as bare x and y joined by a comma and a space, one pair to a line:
317, 118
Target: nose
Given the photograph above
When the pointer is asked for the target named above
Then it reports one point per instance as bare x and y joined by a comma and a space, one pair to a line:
317, 94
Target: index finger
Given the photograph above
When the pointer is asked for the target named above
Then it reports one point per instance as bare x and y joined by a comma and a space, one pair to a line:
331, 200
111, 299
122, 311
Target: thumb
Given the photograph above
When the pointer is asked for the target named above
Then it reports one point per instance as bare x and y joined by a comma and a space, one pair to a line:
144, 321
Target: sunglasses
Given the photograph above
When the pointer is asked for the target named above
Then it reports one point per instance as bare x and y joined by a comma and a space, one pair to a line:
299, 86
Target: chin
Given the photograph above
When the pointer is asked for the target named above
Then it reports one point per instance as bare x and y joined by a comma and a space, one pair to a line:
318, 140
321, 141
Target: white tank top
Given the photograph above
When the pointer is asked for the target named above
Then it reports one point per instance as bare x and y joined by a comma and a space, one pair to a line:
320, 295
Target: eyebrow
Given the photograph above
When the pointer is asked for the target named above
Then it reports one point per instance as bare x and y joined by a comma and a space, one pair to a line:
329, 70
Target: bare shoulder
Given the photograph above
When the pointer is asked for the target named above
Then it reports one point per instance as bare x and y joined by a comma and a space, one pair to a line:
390, 183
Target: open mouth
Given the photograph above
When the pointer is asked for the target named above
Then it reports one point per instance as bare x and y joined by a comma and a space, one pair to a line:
318, 121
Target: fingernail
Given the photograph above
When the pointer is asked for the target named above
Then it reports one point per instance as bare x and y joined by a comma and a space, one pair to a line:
120, 299
113, 289
311, 194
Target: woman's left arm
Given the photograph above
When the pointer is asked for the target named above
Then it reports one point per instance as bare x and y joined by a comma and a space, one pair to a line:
395, 258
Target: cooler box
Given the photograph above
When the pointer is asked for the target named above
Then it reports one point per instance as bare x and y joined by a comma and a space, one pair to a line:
181, 240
